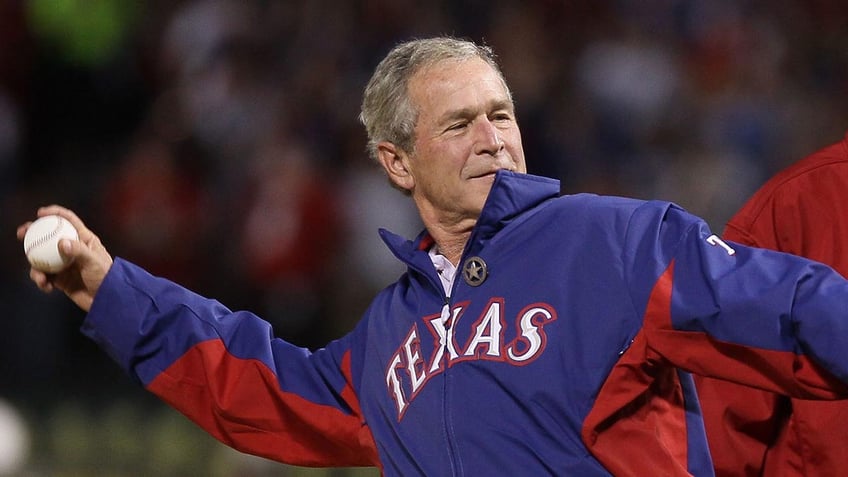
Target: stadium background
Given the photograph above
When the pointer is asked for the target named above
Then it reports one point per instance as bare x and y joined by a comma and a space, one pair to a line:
173, 127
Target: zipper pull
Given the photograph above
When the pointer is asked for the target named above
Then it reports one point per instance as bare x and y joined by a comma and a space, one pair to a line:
446, 321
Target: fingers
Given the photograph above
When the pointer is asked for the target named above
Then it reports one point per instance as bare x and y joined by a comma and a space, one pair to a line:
90, 262
84, 233
70, 249
82, 230
41, 280
77, 252
22, 230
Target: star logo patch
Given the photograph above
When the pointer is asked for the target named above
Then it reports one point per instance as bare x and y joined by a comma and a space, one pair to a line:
474, 271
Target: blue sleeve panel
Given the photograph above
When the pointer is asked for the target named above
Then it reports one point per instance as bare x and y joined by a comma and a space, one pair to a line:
226, 371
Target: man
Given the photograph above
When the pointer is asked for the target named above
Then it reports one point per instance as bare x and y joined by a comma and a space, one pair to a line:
802, 210
533, 334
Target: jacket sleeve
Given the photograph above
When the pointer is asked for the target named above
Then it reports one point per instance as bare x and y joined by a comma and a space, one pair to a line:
752, 316
742, 422
227, 372
794, 213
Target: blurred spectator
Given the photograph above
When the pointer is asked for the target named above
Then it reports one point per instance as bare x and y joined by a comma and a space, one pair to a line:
158, 211
287, 248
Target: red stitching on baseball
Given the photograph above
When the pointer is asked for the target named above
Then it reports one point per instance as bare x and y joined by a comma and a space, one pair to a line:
47, 237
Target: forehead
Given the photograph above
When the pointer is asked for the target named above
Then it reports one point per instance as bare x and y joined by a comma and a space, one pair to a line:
453, 82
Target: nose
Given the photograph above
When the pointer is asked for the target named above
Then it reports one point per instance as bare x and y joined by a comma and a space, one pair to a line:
487, 138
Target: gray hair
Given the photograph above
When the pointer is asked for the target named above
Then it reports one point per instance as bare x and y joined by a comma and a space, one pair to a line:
387, 112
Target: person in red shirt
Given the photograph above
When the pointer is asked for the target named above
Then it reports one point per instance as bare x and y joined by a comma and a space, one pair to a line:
802, 210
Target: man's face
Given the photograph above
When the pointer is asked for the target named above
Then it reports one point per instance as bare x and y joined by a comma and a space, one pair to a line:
466, 131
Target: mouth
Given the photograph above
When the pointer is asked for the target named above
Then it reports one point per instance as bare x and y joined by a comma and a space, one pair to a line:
490, 174
489, 177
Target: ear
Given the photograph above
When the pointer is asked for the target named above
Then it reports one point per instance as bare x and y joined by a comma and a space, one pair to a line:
395, 162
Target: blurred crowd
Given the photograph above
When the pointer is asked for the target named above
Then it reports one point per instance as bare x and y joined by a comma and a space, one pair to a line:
217, 143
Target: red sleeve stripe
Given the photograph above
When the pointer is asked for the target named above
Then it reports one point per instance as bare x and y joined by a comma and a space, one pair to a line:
239, 402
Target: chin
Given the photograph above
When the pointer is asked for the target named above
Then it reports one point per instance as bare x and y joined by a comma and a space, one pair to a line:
481, 186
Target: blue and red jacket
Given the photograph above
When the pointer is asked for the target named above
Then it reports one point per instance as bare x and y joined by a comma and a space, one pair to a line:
570, 357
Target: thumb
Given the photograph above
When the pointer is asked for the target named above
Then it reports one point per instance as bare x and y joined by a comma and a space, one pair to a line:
81, 281
89, 258
71, 250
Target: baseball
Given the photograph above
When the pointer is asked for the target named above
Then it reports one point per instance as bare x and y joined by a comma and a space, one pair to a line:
41, 243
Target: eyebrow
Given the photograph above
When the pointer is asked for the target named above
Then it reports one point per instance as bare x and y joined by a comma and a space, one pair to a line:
461, 113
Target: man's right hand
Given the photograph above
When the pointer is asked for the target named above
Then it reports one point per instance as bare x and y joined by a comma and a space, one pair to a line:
82, 278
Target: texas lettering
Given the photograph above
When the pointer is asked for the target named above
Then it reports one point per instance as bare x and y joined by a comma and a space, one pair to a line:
490, 339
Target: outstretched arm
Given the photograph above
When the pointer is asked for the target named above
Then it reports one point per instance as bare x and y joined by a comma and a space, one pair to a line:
224, 370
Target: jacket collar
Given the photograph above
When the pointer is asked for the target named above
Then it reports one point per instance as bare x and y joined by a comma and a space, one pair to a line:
512, 193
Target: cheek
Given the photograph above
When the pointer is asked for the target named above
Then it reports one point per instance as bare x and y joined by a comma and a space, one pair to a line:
517, 155
513, 137
516, 150
446, 160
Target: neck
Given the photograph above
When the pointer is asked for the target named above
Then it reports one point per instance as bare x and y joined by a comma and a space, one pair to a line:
450, 237
450, 231
451, 247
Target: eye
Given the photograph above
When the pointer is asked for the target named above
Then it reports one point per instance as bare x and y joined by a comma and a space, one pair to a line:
502, 116
457, 126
